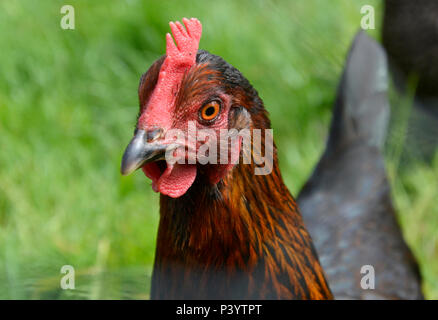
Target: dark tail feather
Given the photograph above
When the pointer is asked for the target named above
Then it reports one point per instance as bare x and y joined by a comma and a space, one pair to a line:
346, 204
362, 107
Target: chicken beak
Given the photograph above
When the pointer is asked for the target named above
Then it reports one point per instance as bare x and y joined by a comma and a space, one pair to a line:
140, 151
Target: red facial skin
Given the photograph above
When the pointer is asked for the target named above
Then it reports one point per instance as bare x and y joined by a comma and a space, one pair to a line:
170, 106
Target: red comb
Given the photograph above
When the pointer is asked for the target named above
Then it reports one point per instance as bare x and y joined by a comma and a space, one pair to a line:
179, 58
187, 43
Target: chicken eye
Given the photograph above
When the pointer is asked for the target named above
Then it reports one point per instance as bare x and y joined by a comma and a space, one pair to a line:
209, 111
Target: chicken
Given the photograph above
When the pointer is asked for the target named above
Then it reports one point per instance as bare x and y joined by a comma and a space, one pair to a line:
224, 232
409, 35
346, 204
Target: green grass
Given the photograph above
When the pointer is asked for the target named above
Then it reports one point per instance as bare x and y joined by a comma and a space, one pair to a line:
68, 102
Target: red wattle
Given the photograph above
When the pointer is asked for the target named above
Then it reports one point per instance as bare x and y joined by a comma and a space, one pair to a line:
174, 181
177, 179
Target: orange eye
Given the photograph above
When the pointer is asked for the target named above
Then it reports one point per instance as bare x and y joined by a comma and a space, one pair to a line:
210, 111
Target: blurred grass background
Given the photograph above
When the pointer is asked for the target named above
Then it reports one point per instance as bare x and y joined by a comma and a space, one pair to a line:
68, 102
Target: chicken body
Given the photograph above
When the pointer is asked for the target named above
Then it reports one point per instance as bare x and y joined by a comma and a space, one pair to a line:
346, 204
241, 239
409, 35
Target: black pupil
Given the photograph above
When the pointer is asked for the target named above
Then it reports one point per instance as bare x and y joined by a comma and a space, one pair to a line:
210, 111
